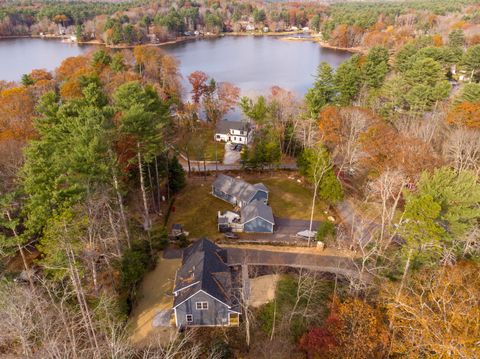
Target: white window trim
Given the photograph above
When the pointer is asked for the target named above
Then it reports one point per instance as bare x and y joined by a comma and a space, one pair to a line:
203, 305
187, 316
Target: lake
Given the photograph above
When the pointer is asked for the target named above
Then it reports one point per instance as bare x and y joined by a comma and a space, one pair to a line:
252, 63
20, 56
255, 63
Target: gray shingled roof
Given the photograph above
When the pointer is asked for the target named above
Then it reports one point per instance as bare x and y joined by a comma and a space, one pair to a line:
203, 268
257, 209
237, 188
224, 126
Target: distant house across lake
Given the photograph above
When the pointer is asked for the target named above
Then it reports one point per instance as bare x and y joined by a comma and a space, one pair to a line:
239, 132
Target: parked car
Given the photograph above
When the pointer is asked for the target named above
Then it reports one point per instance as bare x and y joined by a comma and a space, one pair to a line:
230, 235
238, 148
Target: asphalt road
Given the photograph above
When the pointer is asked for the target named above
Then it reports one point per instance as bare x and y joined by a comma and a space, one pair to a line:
324, 263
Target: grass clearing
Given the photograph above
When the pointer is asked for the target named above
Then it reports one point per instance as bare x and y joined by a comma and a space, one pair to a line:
291, 199
154, 295
196, 209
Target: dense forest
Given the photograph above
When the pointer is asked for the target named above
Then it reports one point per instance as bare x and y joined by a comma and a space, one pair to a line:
93, 155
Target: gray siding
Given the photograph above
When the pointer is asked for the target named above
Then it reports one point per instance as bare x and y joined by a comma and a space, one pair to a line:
224, 196
216, 314
258, 225
260, 196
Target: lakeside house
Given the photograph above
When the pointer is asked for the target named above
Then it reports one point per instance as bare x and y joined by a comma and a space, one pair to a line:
238, 132
206, 292
238, 192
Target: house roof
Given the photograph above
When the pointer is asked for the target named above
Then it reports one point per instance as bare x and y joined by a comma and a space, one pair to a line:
203, 268
257, 209
238, 188
224, 126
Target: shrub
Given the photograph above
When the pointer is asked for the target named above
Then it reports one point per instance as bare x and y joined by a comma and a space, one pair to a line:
325, 230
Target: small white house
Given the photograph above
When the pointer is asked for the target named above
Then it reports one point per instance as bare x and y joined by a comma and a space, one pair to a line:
238, 132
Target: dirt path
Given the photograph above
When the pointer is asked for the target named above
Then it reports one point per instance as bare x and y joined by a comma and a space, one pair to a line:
262, 289
149, 320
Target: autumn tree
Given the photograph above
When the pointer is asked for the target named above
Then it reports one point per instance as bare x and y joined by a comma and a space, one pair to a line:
353, 329
436, 313
198, 81
465, 114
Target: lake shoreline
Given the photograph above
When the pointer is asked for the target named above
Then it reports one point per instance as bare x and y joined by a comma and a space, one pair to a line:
326, 45
182, 39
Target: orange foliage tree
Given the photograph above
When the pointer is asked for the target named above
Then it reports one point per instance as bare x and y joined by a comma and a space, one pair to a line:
436, 314
465, 114
16, 112
388, 149
353, 329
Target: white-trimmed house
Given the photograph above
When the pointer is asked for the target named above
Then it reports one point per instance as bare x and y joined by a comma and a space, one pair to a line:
238, 132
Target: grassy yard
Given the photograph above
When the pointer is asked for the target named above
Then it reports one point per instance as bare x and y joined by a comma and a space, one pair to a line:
196, 209
289, 198
210, 151
201, 146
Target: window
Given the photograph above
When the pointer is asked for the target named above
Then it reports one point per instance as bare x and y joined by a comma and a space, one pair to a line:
201, 305
189, 318
218, 136
234, 138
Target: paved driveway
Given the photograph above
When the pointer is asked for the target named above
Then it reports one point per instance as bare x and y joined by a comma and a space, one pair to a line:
325, 263
231, 157
285, 231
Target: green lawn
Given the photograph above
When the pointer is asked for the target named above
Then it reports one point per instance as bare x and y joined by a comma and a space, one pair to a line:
210, 151
201, 146
196, 209
289, 198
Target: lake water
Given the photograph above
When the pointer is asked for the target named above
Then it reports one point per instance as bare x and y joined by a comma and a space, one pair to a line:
20, 56
252, 63
255, 64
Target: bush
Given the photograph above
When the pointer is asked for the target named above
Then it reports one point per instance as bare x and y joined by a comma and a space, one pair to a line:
221, 350
183, 241
159, 239
134, 264
325, 230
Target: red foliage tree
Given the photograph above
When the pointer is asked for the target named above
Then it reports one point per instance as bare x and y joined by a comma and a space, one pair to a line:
198, 80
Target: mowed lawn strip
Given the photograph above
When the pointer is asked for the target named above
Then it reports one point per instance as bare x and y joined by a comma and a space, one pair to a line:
196, 209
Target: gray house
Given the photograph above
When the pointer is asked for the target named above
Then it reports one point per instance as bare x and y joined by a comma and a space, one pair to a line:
257, 217
238, 192
204, 288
